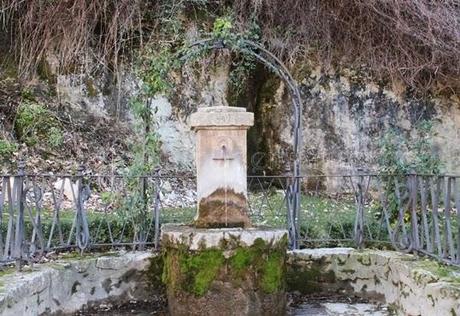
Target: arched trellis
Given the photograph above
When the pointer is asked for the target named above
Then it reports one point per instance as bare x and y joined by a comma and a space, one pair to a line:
276, 65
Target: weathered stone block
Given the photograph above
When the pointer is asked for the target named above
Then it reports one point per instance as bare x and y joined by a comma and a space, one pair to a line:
226, 272
410, 285
66, 285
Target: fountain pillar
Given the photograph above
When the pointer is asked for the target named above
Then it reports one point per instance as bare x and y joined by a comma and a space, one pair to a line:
221, 265
221, 166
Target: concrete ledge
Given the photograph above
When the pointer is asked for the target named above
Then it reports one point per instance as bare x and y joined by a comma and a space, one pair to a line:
412, 286
198, 238
66, 285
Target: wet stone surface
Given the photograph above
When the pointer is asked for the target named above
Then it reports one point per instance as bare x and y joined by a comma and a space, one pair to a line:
141, 308
311, 305
321, 305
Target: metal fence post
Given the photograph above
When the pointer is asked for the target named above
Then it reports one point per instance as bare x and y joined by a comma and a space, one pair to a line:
413, 218
449, 250
297, 201
292, 219
19, 205
157, 210
359, 222
81, 225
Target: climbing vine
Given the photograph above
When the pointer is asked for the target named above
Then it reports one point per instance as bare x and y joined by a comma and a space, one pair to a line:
400, 155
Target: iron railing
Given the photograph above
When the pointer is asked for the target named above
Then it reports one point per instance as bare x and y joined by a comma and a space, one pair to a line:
410, 213
41, 214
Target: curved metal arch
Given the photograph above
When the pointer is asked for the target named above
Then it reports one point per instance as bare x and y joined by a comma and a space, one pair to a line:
268, 59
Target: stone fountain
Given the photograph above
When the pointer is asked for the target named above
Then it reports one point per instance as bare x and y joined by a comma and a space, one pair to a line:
220, 264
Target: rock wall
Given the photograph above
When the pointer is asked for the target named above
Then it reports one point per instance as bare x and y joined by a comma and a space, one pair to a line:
345, 114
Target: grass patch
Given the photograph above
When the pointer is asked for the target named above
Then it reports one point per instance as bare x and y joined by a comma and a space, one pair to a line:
320, 218
444, 272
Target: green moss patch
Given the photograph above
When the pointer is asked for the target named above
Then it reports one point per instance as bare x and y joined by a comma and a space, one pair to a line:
201, 269
262, 265
154, 272
273, 273
242, 259
192, 271
7, 271
264, 261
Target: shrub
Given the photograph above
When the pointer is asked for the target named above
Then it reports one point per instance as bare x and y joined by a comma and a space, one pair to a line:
35, 124
400, 154
6, 149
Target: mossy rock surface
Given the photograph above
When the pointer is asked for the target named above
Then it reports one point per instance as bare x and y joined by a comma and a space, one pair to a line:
194, 271
204, 281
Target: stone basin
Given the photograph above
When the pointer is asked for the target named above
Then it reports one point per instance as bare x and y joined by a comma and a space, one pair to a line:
407, 284
213, 271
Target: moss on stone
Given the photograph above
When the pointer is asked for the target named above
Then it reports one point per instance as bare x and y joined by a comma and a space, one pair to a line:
263, 259
364, 259
7, 271
242, 259
194, 271
169, 276
201, 269
273, 273
444, 272
154, 272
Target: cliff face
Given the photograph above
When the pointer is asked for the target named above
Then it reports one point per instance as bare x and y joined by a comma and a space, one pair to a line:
345, 114
88, 58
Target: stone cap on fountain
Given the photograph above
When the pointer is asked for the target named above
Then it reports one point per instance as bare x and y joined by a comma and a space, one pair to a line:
221, 116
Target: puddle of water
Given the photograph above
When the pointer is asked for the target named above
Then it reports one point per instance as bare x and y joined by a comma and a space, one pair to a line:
338, 309
334, 305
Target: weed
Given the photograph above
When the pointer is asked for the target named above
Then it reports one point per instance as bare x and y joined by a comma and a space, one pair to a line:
55, 137
7, 149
